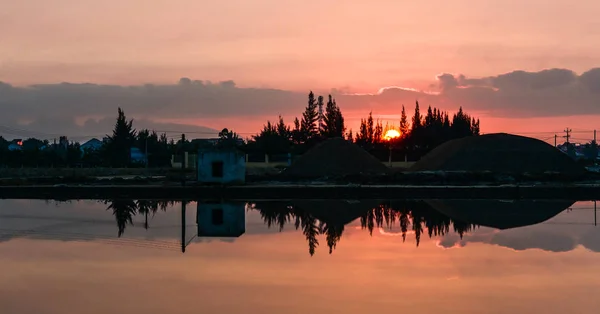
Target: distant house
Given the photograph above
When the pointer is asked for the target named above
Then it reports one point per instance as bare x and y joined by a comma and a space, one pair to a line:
92, 145
137, 156
221, 166
221, 219
16, 144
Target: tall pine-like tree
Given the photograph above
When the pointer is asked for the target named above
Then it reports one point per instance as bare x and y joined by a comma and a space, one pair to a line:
308, 125
121, 141
283, 130
320, 103
403, 123
417, 120
297, 132
333, 121
378, 132
340, 126
370, 128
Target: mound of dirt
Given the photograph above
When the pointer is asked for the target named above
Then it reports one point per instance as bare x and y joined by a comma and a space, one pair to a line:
500, 153
335, 157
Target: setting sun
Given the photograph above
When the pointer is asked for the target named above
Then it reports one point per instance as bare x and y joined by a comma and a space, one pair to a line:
390, 134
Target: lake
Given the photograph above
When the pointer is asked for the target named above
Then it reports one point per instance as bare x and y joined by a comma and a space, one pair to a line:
299, 256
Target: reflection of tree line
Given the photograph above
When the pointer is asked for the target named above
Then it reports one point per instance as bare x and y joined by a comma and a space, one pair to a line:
311, 227
415, 216
125, 209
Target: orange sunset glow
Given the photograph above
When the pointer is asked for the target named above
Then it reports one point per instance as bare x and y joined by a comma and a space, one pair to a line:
391, 134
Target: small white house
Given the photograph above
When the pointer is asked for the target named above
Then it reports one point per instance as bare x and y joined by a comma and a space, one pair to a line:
221, 166
221, 219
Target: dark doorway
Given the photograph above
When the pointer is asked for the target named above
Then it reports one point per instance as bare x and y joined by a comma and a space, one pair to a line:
217, 217
217, 169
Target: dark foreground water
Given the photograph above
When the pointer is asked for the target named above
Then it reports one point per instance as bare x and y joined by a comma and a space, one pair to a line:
126, 256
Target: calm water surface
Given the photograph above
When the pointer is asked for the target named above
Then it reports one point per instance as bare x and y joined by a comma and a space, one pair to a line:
299, 256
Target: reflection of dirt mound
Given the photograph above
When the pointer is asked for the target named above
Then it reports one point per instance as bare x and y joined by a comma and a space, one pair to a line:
336, 212
500, 214
498, 152
335, 157
591, 239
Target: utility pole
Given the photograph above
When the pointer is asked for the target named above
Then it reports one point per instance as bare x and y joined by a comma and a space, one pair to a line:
568, 132
594, 136
183, 240
555, 137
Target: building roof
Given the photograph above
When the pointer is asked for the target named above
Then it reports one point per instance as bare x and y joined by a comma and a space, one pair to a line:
92, 142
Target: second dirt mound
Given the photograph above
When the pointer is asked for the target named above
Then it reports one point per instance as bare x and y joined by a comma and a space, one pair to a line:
501, 153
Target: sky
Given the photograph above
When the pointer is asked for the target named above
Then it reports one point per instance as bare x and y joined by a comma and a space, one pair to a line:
521, 66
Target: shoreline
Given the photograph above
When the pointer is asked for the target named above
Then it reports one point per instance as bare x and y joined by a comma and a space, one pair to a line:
581, 191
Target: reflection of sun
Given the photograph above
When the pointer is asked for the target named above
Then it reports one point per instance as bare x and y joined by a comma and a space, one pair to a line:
390, 134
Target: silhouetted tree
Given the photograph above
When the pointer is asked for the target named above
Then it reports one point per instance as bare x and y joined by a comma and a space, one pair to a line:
378, 132
320, 103
403, 123
417, 119
273, 139
121, 141
308, 125
370, 128
350, 136
297, 132
333, 121
228, 139
283, 130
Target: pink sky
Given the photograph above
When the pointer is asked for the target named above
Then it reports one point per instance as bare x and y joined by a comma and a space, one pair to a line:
357, 47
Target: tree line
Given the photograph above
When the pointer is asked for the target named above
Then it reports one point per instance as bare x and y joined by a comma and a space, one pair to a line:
114, 150
319, 121
418, 135
405, 216
415, 216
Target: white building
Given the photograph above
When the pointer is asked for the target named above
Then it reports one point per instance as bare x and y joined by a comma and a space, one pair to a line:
221, 166
221, 219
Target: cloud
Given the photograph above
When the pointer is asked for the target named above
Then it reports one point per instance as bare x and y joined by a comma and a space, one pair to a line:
47, 128
551, 92
562, 233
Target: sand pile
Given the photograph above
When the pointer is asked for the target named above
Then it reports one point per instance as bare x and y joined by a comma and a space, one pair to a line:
335, 157
501, 153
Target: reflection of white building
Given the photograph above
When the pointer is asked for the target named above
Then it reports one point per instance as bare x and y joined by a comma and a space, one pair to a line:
221, 219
